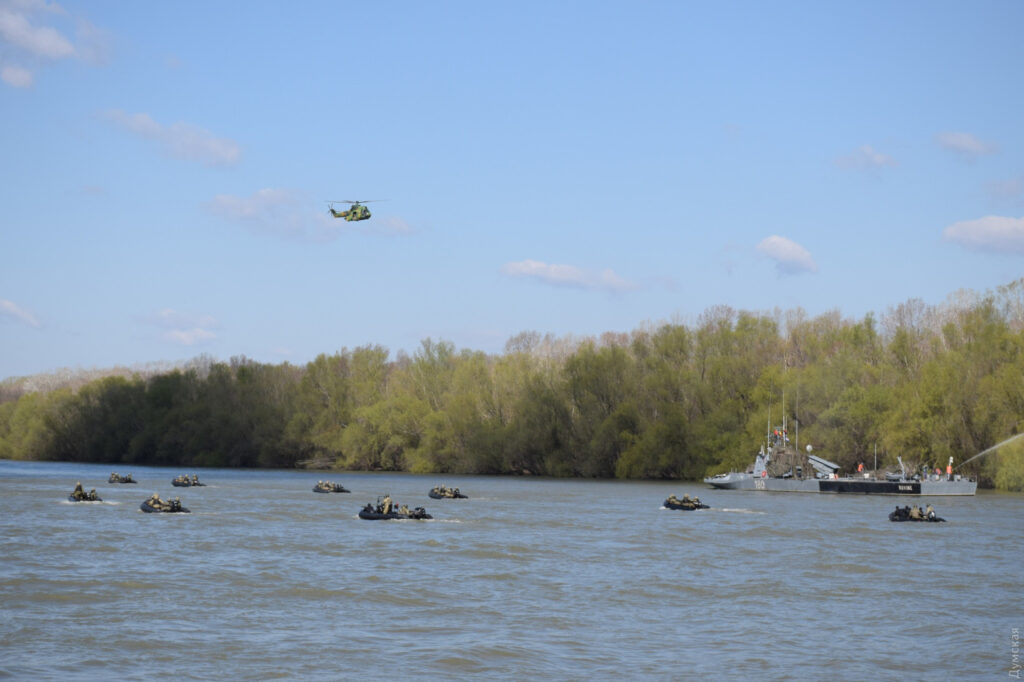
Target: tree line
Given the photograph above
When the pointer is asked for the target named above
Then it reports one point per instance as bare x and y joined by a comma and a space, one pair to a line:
675, 401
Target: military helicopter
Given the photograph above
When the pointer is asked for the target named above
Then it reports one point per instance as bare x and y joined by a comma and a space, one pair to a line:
356, 211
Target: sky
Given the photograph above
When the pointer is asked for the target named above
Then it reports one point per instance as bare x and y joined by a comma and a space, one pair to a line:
570, 168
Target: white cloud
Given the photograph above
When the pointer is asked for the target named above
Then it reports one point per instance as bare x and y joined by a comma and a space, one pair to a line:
567, 276
17, 30
261, 204
267, 211
790, 258
185, 329
964, 144
866, 157
392, 225
289, 214
189, 337
16, 76
94, 43
12, 310
34, 32
1009, 190
991, 233
181, 140
169, 317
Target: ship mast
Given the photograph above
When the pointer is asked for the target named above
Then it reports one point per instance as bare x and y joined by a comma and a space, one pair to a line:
796, 417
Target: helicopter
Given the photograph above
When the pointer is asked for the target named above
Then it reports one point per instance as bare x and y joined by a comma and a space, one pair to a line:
356, 211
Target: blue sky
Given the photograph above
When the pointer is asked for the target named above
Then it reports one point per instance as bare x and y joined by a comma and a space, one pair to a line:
563, 167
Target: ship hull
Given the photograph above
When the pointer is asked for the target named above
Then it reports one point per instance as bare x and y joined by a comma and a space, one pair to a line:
735, 481
870, 487
961, 487
861, 486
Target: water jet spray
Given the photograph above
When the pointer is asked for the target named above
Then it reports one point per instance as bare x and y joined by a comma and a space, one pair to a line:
992, 449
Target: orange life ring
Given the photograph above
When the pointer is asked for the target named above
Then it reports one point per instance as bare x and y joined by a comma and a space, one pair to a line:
764, 473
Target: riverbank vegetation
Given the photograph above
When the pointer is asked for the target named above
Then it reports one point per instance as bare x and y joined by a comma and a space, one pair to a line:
675, 401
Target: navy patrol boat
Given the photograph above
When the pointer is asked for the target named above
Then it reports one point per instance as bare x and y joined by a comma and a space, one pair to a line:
785, 469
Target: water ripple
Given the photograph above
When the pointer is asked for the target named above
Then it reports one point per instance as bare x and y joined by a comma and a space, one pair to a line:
528, 579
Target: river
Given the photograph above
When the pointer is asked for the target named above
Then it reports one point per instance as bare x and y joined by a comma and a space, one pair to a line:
528, 579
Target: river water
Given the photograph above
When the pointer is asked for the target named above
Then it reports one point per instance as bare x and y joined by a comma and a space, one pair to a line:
528, 579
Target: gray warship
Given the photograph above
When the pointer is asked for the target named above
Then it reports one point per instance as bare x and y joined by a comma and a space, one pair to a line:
785, 469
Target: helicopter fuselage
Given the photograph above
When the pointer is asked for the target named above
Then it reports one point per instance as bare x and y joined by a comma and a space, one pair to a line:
357, 212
